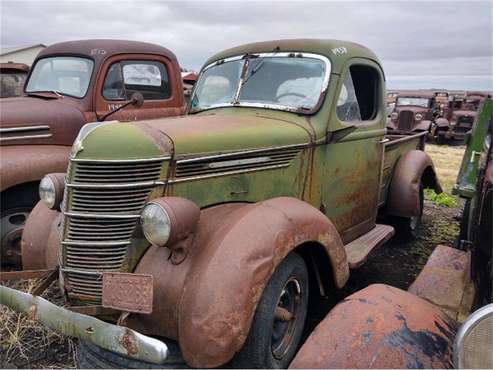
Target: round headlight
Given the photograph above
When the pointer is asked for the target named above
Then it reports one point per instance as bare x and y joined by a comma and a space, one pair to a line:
394, 115
156, 224
51, 190
418, 116
474, 341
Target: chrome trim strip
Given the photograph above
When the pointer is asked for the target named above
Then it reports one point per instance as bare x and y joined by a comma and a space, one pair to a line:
24, 128
243, 152
220, 174
82, 272
474, 319
41, 136
103, 215
239, 162
119, 161
96, 244
115, 185
108, 336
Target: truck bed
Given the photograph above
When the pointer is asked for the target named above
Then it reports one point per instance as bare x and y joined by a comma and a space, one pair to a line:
395, 146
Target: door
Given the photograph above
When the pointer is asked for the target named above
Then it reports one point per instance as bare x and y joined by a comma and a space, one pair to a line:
153, 76
352, 165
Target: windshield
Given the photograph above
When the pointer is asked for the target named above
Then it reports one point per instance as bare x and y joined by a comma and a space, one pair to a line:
283, 81
419, 102
64, 75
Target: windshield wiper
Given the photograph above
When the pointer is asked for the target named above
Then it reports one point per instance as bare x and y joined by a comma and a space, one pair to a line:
259, 66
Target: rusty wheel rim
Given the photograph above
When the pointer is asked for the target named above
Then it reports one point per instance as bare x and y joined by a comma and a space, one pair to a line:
286, 318
11, 224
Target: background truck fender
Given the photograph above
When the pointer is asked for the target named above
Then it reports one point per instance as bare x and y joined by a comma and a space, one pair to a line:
412, 167
423, 126
442, 122
380, 327
208, 301
27, 163
40, 240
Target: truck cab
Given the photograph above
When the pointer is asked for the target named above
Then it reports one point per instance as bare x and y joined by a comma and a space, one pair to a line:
212, 230
70, 84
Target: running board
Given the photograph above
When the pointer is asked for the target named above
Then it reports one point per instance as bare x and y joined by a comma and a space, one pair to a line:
358, 250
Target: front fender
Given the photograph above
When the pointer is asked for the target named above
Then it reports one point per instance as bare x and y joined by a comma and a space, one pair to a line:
234, 253
380, 327
423, 126
412, 168
27, 163
442, 123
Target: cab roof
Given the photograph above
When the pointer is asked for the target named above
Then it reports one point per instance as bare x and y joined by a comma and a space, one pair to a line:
332, 49
100, 49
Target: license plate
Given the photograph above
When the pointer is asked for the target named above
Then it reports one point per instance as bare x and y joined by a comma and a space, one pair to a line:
128, 292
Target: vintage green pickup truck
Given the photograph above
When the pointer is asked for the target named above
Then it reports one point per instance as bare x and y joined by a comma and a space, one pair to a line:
213, 230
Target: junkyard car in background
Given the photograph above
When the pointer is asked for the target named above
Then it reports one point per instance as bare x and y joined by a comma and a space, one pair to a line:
210, 232
12, 78
413, 111
70, 84
446, 318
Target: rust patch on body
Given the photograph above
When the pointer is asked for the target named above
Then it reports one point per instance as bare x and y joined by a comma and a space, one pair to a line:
128, 342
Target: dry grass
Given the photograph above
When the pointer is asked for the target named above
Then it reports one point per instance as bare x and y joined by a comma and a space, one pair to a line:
447, 161
25, 343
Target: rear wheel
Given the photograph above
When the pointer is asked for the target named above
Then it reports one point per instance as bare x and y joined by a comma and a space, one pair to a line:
279, 320
17, 203
407, 228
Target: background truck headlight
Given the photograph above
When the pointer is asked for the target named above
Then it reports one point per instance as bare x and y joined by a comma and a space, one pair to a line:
418, 116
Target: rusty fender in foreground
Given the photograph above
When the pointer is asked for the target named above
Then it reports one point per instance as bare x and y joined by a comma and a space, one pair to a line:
380, 327
108, 336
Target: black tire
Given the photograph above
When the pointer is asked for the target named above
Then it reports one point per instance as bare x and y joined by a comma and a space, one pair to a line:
407, 228
261, 343
16, 204
90, 356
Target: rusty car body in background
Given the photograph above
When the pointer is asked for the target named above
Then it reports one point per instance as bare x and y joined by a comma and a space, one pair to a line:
12, 78
385, 327
459, 118
265, 194
413, 111
70, 84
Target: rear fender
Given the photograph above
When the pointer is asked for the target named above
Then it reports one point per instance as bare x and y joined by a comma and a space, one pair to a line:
208, 301
412, 168
380, 327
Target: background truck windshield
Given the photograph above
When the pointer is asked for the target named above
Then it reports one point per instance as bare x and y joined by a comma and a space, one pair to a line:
277, 82
65, 75
419, 102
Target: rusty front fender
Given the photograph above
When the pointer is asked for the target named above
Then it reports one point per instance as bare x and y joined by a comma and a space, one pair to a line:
412, 168
208, 301
27, 163
380, 327
40, 239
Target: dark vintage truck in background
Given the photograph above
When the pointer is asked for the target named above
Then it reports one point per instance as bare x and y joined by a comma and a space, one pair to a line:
209, 233
413, 111
12, 78
70, 84
445, 319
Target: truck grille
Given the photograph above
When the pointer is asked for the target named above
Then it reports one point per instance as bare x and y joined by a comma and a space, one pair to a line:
406, 119
104, 200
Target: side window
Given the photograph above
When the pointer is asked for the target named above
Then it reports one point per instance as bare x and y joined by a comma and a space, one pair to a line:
150, 78
358, 99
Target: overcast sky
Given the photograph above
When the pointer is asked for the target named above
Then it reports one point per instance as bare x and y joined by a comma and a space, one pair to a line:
422, 44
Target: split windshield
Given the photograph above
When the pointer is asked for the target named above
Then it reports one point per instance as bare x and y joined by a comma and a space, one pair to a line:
291, 82
419, 102
62, 75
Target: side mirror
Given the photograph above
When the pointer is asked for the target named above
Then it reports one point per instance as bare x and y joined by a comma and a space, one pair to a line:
137, 99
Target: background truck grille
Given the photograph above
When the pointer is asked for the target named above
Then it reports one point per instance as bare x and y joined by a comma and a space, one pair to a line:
104, 200
406, 119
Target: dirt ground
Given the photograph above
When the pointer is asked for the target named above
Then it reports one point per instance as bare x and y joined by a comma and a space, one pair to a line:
26, 344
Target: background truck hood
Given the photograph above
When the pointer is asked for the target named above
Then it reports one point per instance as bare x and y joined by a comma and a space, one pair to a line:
411, 108
63, 118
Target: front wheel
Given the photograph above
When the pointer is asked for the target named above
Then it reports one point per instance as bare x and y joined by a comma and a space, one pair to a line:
279, 320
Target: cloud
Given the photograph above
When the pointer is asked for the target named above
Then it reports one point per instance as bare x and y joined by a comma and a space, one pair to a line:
420, 43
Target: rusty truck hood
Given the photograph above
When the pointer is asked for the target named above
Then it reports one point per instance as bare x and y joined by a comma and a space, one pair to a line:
411, 108
218, 133
29, 120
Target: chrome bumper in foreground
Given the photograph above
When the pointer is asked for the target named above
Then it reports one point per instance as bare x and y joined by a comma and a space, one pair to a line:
114, 338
